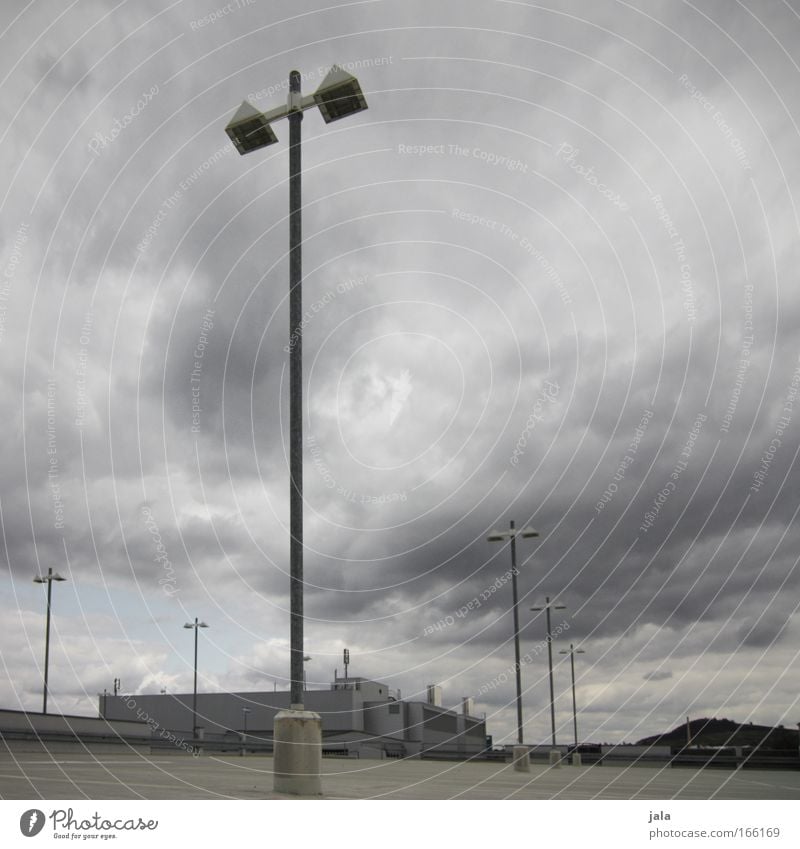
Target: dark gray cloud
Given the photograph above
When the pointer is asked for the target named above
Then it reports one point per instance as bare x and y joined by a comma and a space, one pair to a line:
548, 277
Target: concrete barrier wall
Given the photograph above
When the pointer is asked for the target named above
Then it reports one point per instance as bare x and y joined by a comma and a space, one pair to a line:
25, 731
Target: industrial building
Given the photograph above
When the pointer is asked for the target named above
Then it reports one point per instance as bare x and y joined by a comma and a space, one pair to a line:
360, 718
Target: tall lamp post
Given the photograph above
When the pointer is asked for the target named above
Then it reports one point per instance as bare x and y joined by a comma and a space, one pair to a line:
502, 536
572, 651
547, 606
47, 579
296, 766
196, 625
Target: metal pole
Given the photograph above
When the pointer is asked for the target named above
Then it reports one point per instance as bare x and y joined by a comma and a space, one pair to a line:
574, 703
295, 404
194, 695
47, 638
516, 630
550, 665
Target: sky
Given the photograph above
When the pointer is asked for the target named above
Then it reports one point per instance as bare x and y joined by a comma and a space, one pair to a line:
549, 278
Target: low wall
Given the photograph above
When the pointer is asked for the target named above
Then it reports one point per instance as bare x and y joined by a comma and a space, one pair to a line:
26, 731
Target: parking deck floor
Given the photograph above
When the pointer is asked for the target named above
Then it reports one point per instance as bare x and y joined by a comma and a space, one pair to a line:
84, 776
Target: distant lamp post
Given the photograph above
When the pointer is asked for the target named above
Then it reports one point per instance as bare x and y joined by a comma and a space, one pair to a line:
546, 608
572, 651
501, 536
196, 625
306, 658
47, 579
245, 711
338, 96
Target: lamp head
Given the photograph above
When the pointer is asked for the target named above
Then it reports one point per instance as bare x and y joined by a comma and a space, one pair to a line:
249, 129
339, 95
528, 532
51, 576
497, 536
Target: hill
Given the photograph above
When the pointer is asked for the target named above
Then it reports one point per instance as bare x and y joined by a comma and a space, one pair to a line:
725, 732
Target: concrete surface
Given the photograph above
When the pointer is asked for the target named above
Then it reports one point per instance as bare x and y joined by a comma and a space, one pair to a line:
179, 776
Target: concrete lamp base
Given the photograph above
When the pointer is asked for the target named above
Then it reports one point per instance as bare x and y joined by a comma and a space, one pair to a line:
576, 759
555, 757
521, 757
298, 753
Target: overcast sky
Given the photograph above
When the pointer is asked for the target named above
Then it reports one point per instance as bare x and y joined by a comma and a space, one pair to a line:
550, 277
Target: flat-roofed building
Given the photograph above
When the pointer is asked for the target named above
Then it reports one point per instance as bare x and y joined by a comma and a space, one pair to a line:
360, 718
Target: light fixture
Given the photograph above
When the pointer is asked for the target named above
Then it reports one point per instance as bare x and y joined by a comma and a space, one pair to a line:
249, 129
572, 651
47, 579
547, 607
501, 536
196, 625
339, 95
296, 767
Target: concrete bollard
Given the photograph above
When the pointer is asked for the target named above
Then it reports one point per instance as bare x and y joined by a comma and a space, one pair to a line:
555, 758
576, 759
297, 761
521, 758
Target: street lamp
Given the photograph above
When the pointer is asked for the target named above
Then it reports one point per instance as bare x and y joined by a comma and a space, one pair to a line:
546, 608
572, 651
502, 536
338, 96
196, 625
47, 579
245, 711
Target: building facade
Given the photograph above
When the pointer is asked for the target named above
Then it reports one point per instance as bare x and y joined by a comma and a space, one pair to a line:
360, 718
